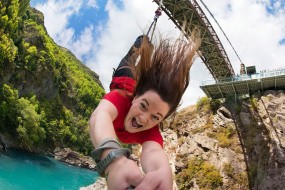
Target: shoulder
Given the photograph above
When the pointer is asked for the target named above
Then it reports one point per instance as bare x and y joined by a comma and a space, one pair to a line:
119, 99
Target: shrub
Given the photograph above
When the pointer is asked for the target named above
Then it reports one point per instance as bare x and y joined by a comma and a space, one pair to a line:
224, 136
203, 104
205, 174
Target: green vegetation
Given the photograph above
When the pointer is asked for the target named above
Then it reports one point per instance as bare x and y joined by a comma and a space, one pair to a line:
204, 173
254, 103
224, 135
208, 105
203, 104
46, 94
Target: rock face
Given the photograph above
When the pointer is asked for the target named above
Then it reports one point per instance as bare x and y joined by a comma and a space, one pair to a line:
74, 158
213, 139
243, 142
248, 137
269, 147
3, 146
7, 141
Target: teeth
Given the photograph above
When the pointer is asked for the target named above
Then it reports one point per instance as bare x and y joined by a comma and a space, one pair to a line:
138, 122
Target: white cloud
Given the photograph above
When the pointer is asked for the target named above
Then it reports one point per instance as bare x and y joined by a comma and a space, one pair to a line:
84, 45
57, 14
93, 3
253, 32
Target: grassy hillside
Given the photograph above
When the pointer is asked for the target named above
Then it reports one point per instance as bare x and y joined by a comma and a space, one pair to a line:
46, 94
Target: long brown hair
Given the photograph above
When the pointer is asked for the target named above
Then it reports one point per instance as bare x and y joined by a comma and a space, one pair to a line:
164, 68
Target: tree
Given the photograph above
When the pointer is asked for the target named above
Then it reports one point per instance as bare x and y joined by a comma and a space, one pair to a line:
29, 129
23, 6
8, 50
8, 108
9, 17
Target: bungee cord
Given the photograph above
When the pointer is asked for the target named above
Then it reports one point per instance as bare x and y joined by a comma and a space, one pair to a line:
156, 16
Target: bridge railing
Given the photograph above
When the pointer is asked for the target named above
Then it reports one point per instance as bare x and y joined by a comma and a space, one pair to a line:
245, 77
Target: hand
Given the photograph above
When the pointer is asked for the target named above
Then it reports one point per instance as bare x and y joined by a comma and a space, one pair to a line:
156, 180
122, 173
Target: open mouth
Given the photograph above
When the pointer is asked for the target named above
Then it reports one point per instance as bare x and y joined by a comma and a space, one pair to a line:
136, 124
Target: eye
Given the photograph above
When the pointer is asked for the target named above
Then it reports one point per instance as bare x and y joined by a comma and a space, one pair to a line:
143, 106
155, 118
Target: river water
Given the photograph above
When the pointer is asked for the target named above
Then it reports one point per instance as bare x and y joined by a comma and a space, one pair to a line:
25, 171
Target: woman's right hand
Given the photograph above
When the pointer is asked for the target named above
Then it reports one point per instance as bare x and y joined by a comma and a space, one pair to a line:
123, 173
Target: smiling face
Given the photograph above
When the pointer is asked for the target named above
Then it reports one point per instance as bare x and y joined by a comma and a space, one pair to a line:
146, 111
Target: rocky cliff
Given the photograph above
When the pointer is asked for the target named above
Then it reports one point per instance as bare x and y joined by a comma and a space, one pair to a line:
231, 145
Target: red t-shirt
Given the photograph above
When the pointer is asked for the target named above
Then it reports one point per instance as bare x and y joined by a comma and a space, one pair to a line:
123, 103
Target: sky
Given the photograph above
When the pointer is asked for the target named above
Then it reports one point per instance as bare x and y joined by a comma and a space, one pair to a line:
100, 32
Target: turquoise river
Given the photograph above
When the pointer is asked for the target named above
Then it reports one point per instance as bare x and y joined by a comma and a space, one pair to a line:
25, 171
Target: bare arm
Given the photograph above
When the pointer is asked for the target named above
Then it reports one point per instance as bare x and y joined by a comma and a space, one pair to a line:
122, 171
156, 166
101, 122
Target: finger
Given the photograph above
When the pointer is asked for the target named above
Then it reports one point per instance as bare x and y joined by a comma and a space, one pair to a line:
136, 179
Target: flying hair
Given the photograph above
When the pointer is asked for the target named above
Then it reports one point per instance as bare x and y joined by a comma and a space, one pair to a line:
164, 68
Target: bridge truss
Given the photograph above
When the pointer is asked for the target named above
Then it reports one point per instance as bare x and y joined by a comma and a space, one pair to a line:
188, 16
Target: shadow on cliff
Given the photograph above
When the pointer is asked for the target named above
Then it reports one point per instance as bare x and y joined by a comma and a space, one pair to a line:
254, 139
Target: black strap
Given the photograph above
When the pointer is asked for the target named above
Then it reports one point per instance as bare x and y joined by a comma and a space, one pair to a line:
103, 164
105, 144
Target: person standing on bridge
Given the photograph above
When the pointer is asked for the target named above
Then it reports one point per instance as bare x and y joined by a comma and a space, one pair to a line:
146, 88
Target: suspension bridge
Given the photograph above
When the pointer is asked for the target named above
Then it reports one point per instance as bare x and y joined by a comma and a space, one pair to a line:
188, 16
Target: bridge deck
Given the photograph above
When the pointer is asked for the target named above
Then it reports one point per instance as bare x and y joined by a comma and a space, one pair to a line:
245, 84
